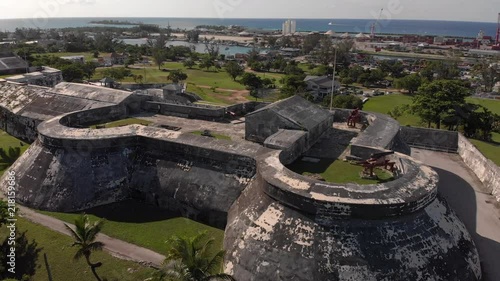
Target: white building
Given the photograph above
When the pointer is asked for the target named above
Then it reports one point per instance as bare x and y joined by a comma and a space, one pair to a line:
289, 27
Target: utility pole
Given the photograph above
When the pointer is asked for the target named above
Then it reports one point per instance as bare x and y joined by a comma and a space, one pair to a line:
333, 78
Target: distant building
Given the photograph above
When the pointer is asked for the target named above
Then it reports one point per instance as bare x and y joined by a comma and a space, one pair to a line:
12, 64
290, 52
484, 53
44, 76
289, 27
321, 86
74, 58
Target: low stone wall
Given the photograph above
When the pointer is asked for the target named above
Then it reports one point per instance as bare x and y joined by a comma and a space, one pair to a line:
431, 139
18, 126
205, 112
487, 171
382, 134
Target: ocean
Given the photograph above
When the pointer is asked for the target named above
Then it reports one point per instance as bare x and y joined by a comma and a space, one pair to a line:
420, 27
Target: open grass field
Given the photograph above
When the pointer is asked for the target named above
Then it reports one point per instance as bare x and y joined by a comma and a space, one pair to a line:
123, 122
151, 74
490, 150
337, 171
60, 254
144, 225
7, 141
383, 104
492, 105
87, 55
217, 136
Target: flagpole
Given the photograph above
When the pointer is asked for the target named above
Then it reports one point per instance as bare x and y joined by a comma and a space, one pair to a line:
333, 78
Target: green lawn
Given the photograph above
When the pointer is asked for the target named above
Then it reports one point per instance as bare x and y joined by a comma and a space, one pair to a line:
217, 136
60, 254
144, 225
123, 122
89, 56
383, 104
337, 171
492, 105
7, 141
490, 150
212, 78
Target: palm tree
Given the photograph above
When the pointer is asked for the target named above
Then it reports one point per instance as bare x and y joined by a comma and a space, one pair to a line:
85, 234
9, 157
191, 259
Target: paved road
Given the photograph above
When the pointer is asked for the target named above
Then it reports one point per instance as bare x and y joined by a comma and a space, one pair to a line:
117, 248
473, 205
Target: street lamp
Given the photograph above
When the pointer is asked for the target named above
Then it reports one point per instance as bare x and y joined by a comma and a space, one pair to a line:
333, 78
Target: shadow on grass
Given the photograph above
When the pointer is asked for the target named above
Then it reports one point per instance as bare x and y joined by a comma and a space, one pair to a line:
131, 211
26, 256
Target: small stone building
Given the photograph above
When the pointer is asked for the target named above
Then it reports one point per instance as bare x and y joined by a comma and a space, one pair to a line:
294, 113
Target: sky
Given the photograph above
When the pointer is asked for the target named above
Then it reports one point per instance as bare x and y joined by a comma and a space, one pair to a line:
458, 10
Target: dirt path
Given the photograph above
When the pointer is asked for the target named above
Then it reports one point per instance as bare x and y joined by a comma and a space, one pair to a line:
115, 247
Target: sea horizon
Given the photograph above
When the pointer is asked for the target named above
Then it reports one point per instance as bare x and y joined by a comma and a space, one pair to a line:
468, 29
251, 18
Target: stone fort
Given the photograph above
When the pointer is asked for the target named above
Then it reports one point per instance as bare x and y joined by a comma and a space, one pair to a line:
279, 225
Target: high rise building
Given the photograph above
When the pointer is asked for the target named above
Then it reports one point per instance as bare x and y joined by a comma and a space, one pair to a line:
289, 27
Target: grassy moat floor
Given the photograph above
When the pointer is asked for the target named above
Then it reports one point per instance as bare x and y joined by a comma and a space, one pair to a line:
40, 240
144, 225
338, 171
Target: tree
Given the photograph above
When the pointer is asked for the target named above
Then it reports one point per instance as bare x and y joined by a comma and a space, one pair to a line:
411, 83
117, 73
393, 67
193, 36
85, 234
72, 72
293, 84
437, 99
159, 56
207, 62
490, 75
234, 69
439, 70
89, 69
192, 260
159, 49
347, 81
347, 101
177, 75
212, 49
189, 63
7, 158
251, 81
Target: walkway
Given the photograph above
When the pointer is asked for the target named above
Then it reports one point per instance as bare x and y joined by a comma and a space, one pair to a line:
474, 206
117, 248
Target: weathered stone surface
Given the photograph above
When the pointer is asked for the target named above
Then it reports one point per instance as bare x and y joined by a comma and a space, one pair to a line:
266, 240
294, 113
280, 225
487, 171
439, 140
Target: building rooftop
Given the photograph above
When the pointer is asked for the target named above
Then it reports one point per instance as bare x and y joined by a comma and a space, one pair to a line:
297, 110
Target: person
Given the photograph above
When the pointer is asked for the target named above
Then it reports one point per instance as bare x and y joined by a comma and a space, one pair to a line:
353, 118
